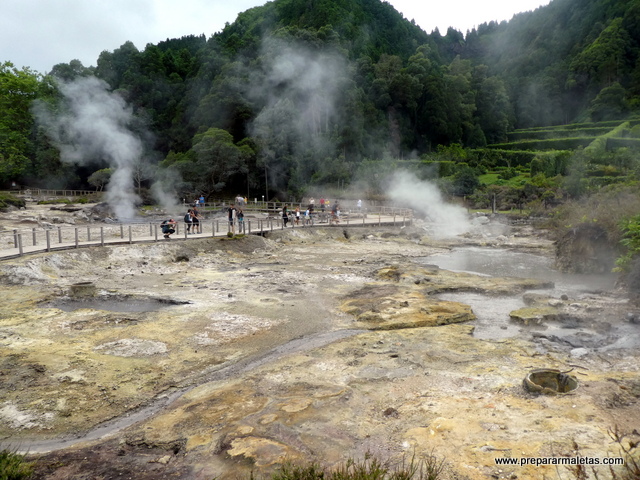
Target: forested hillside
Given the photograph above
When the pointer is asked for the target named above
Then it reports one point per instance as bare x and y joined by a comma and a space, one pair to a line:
326, 92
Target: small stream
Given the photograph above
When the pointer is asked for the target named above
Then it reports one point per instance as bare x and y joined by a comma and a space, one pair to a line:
493, 322
218, 373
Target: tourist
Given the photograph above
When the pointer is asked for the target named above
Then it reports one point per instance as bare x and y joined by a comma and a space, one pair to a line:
195, 218
285, 215
168, 227
240, 217
231, 210
297, 216
188, 220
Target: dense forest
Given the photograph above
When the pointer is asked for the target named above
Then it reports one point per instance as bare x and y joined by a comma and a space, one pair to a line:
296, 94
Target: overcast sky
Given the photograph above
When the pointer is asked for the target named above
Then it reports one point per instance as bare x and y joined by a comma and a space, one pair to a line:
41, 33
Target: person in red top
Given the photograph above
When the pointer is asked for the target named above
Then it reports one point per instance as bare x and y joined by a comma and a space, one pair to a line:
322, 204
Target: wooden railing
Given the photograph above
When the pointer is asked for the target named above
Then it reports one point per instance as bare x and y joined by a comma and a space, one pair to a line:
18, 242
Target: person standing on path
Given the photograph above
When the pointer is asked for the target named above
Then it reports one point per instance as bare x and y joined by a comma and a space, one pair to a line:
188, 221
195, 218
285, 215
230, 211
240, 217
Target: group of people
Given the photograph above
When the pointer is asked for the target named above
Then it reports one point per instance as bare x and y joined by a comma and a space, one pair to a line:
236, 215
310, 211
191, 220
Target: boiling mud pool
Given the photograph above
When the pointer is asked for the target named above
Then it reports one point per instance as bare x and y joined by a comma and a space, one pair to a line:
112, 304
492, 312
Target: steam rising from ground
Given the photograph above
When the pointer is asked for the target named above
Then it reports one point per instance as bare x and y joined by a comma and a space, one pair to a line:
425, 198
96, 126
299, 90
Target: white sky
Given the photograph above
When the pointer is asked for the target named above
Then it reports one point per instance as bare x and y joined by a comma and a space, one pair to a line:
41, 33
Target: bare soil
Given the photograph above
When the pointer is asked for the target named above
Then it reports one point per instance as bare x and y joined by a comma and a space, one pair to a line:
317, 345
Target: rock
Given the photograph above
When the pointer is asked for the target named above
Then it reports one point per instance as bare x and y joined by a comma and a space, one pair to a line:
585, 249
393, 311
262, 451
441, 425
535, 299
535, 315
579, 352
554, 302
480, 221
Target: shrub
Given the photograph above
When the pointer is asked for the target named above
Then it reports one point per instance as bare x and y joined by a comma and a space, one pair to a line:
370, 468
7, 200
55, 201
13, 466
630, 228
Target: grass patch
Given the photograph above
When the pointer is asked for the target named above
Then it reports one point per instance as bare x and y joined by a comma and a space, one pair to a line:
14, 467
7, 200
56, 201
428, 468
494, 178
233, 236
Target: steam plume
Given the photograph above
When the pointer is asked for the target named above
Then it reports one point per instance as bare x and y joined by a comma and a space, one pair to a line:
97, 126
425, 198
299, 90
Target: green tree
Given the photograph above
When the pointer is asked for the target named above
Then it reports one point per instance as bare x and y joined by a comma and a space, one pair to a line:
493, 106
100, 178
610, 104
604, 60
465, 181
70, 71
18, 89
214, 161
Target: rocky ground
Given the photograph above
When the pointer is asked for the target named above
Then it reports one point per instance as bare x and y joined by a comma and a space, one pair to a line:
217, 357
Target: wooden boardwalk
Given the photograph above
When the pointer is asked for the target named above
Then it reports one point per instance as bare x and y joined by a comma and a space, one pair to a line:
24, 241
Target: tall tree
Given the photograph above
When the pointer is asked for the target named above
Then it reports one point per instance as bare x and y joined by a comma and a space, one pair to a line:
214, 160
18, 89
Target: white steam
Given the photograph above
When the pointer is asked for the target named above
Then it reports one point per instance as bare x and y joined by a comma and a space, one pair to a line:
95, 126
425, 198
299, 90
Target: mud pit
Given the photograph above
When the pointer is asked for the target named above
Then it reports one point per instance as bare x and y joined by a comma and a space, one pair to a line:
313, 345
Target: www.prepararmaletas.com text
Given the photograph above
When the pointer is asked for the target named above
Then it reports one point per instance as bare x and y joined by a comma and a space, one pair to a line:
539, 461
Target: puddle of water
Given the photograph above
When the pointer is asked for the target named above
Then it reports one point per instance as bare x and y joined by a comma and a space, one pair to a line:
493, 321
112, 304
496, 262
492, 314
